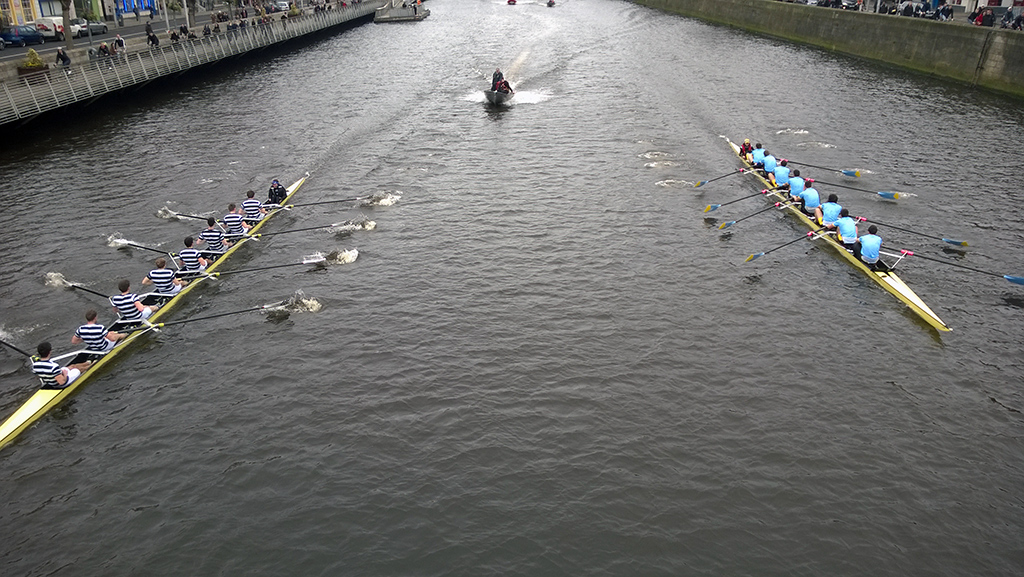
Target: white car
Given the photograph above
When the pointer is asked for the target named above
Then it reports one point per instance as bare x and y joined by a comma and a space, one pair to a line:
282, 6
53, 27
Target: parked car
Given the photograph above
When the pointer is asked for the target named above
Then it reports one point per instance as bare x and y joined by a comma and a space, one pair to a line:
53, 27
21, 35
281, 6
89, 26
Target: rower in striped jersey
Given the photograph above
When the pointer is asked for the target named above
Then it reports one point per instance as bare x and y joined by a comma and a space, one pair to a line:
95, 336
234, 222
129, 305
191, 259
52, 375
253, 208
213, 237
163, 279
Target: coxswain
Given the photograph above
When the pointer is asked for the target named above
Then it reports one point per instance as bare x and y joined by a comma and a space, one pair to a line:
746, 149
846, 225
867, 250
780, 176
757, 156
828, 212
51, 374
129, 305
163, 279
191, 259
234, 222
496, 79
253, 208
796, 184
277, 193
809, 201
95, 336
769, 163
213, 237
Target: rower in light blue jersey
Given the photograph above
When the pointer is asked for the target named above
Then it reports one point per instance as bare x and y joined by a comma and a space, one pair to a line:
213, 237
828, 212
769, 163
163, 279
847, 228
780, 176
191, 259
868, 249
757, 156
52, 375
253, 208
234, 222
809, 201
129, 305
796, 184
95, 336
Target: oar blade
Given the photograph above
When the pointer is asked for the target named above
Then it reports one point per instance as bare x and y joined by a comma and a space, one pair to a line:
726, 224
700, 183
712, 207
889, 195
1014, 279
955, 241
754, 256
855, 173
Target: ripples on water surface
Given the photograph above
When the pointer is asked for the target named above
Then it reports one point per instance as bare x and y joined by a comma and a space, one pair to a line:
545, 360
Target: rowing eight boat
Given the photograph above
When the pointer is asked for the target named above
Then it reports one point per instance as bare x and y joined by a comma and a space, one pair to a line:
887, 280
45, 399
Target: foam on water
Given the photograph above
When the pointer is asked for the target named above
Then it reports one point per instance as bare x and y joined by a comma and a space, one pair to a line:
384, 198
300, 303
56, 279
659, 164
671, 182
343, 256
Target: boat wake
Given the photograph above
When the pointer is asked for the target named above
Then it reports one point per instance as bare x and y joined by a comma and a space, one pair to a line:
383, 198
791, 131
671, 183
659, 164
815, 145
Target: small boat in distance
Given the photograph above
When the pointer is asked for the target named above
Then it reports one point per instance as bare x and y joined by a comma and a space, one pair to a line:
512, 2
497, 96
500, 90
551, 3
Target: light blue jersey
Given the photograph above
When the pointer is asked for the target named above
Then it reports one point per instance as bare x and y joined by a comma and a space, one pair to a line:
811, 199
847, 229
830, 212
869, 247
757, 155
796, 185
769, 163
781, 175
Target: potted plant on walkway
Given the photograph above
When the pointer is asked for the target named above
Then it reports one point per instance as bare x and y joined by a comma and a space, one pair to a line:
31, 64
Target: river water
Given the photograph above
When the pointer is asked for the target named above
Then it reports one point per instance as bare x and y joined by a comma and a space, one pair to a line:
547, 360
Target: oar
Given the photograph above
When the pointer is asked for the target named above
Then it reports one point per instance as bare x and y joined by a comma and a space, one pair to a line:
183, 215
262, 234
701, 183
949, 240
883, 194
144, 247
778, 205
712, 207
88, 290
314, 259
847, 172
288, 206
760, 254
1014, 279
7, 344
181, 322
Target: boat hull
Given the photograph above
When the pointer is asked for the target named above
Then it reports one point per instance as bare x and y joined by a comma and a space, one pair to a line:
496, 97
45, 399
889, 281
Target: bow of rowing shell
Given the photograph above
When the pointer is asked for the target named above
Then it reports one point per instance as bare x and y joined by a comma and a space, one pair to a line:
45, 399
887, 280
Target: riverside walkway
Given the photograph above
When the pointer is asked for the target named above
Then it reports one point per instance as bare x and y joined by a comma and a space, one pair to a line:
25, 97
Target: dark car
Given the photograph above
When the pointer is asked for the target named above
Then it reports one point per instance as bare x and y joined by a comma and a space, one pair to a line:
21, 35
89, 26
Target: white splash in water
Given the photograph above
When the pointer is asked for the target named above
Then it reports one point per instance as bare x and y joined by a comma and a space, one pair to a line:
343, 256
791, 131
654, 154
383, 198
302, 304
659, 164
117, 241
815, 145
672, 182
167, 213
56, 279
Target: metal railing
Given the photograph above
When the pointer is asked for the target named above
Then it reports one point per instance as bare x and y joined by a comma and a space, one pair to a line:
33, 94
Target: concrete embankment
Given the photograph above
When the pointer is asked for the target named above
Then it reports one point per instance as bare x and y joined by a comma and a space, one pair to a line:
985, 57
